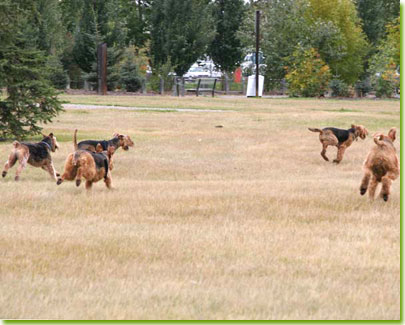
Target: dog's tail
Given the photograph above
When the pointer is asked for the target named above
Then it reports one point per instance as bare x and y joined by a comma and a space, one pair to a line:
315, 130
76, 157
75, 140
378, 139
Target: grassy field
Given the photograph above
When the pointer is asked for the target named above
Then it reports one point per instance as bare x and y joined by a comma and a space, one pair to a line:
246, 221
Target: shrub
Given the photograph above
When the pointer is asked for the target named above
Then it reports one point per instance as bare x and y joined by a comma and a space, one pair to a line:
387, 82
339, 88
307, 74
363, 87
129, 76
56, 74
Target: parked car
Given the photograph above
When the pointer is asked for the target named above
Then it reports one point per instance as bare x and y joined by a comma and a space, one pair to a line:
203, 69
197, 71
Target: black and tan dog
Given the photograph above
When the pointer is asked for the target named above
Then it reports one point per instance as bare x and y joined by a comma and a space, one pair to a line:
340, 138
92, 166
36, 154
118, 140
380, 166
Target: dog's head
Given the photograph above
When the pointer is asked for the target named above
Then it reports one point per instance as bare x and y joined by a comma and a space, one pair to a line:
52, 139
360, 131
381, 139
124, 141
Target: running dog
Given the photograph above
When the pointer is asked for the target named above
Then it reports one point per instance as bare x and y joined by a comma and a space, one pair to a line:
93, 166
118, 140
340, 138
36, 154
381, 166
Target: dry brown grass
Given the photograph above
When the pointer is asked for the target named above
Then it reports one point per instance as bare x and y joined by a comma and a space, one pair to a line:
241, 222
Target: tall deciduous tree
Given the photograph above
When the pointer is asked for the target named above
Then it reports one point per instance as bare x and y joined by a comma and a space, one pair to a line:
137, 14
375, 15
180, 32
226, 49
352, 46
331, 27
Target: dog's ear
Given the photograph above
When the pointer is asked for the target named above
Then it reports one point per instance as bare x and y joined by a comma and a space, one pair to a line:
50, 135
354, 126
392, 134
99, 147
115, 135
121, 137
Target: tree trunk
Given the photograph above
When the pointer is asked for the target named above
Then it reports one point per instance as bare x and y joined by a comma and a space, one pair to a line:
182, 88
162, 86
86, 85
226, 83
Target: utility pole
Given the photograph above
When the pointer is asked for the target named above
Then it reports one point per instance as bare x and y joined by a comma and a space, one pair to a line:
257, 50
102, 69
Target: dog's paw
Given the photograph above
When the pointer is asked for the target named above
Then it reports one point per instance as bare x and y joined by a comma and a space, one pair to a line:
363, 191
336, 161
16, 178
78, 182
4, 174
385, 197
59, 181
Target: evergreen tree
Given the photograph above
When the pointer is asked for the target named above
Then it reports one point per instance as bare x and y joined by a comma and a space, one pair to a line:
30, 98
86, 39
130, 76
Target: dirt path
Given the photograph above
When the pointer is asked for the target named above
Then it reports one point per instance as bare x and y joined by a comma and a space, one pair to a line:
125, 108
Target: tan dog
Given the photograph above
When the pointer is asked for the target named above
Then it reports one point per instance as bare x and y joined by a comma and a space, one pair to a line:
92, 166
36, 154
340, 138
381, 166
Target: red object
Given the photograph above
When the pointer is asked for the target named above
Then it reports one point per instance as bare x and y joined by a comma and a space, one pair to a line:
238, 75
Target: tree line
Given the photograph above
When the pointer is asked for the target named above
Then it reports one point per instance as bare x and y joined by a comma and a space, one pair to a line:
312, 45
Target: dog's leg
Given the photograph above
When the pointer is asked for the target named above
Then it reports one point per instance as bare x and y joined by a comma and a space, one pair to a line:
9, 163
51, 170
364, 182
372, 187
323, 152
79, 176
89, 184
341, 151
386, 185
107, 181
22, 163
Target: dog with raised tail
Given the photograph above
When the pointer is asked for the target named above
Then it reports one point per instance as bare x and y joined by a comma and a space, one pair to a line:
92, 166
118, 141
36, 154
380, 166
340, 138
